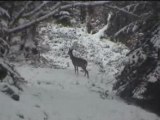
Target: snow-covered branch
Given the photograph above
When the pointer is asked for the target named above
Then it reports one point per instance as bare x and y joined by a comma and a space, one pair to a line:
134, 6
20, 13
48, 11
17, 79
5, 42
36, 9
4, 12
19, 28
127, 27
100, 33
122, 10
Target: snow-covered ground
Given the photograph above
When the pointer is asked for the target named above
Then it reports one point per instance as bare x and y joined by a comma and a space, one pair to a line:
107, 56
59, 94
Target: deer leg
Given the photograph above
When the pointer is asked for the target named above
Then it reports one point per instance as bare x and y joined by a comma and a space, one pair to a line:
75, 69
86, 72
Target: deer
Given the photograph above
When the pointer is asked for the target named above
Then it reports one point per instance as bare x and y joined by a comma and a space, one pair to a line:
78, 62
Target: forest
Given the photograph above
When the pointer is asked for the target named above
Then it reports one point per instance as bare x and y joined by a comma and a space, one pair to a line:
115, 45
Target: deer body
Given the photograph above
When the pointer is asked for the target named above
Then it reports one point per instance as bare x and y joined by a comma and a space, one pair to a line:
78, 62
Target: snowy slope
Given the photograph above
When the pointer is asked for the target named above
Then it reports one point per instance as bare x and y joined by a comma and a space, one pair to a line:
59, 94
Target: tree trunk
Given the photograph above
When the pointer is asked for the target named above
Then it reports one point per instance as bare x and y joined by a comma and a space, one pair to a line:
89, 18
83, 14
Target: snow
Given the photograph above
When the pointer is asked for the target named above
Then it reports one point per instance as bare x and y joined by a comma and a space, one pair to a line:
64, 13
135, 27
153, 77
4, 23
156, 39
59, 94
100, 33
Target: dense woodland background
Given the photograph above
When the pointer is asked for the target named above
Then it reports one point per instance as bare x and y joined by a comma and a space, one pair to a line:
133, 23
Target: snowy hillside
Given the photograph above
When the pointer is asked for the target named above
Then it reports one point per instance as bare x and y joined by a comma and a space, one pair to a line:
56, 93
